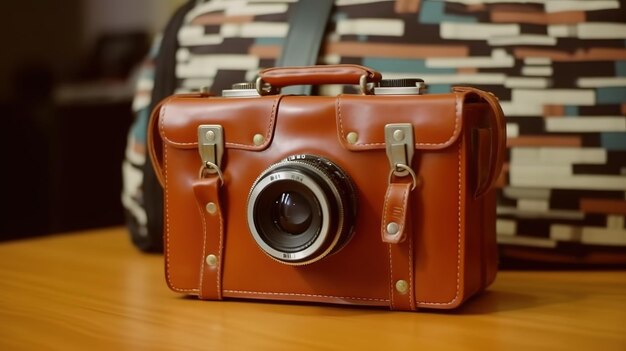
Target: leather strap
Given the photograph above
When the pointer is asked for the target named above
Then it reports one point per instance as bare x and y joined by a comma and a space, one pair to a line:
307, 26
206, 191
396, 223
401, 281
164, 85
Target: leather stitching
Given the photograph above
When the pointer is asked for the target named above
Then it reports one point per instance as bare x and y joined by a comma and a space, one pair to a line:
452, 137
410, 243
305, 295
167, 230
205, 230
218, 268
204, 238
167, 218
268, 131
391, 278
339, 117
458, 255
411, 292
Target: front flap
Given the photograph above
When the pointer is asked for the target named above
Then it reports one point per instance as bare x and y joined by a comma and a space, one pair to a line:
243, 118
436, 119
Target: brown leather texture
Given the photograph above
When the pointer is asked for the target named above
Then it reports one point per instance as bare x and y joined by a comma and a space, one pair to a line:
316, 75
448, 248
208, 201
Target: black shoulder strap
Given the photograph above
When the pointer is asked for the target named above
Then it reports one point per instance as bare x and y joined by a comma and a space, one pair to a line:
151, 240
164, 75
307, 25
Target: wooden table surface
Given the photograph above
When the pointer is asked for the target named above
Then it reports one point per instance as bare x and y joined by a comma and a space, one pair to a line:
94, 291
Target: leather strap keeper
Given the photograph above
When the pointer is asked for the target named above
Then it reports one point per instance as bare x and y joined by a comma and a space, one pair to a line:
393, 226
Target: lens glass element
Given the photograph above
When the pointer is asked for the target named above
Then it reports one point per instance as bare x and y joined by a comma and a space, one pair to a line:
292, 213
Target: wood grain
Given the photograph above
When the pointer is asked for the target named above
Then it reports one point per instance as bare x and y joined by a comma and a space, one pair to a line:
93, 290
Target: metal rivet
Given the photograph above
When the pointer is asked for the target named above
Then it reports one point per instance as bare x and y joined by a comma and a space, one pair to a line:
402, 286
211, 207
210, 136
211, 260
258, 139
398, 135
393, 228
352, 137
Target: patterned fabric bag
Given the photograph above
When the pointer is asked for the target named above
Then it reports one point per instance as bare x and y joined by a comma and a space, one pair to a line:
558, 67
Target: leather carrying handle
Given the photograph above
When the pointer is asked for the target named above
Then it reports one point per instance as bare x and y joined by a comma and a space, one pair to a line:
279, 77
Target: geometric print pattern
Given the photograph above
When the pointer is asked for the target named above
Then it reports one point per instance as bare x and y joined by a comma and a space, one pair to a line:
558, 68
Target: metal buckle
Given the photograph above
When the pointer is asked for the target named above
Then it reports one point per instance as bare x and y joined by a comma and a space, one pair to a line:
211, 149
400, 148
407, 169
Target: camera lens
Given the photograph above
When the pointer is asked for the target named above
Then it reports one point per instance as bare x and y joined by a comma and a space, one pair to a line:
301, 209
292, 213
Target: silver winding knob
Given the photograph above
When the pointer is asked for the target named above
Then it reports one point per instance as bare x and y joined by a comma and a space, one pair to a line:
401, 86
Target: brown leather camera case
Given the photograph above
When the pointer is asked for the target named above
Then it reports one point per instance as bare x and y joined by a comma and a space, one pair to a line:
443, 248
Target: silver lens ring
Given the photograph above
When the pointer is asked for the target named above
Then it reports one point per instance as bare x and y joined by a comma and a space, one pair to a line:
283, 176
328, 198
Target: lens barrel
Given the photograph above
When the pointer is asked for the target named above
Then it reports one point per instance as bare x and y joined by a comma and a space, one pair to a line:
301, 209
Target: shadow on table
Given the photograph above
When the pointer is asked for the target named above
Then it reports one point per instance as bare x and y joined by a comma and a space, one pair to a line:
499, 301
490, 301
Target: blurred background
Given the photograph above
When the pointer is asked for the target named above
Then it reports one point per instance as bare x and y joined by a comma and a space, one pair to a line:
67, 70
66, 86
